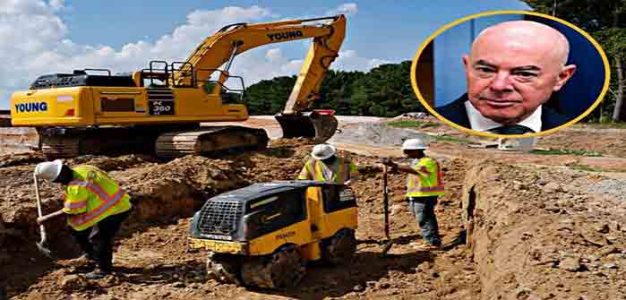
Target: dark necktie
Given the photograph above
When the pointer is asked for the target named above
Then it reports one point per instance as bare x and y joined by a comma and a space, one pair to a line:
511, 129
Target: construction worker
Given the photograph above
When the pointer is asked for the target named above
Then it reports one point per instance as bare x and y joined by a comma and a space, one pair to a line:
325, 166
95, 206
424, 185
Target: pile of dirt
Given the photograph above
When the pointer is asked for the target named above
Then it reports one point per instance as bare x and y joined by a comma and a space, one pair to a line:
177, 188
17, 139
603, 141
375, 134
160, 192
154, 262
545, 233
8, 160
534, 231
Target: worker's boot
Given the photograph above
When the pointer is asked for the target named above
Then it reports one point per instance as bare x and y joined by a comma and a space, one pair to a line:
81, 264
84, 261
97, 274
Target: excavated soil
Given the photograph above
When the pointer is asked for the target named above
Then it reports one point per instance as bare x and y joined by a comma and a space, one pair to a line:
546, 233
604, 141
539, 228
152, 256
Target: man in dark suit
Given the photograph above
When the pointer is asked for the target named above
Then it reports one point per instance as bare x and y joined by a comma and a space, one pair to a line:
512, 71
456, 112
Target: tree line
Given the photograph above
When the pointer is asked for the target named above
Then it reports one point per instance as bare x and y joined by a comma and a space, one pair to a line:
605, 20
384, 91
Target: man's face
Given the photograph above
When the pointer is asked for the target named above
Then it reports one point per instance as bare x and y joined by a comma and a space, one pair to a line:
414, 153
509, 76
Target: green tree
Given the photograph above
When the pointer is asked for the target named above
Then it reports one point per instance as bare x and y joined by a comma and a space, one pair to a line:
606, 21
383, 91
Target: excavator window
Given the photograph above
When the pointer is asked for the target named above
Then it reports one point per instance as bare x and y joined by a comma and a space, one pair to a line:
81, 78
232, 88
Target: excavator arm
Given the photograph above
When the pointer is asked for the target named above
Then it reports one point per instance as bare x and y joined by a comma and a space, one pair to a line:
296, 120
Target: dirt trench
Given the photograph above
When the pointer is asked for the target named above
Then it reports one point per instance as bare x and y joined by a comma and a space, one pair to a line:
535, 233
545, 233
161, 193
153, 241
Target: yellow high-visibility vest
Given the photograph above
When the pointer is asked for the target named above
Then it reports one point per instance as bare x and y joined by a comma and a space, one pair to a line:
92, 196
339, 172
423, 185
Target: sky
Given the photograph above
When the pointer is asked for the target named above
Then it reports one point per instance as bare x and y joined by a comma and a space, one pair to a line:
55, 36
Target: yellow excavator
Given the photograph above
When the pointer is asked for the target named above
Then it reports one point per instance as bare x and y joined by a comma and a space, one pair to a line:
159, 109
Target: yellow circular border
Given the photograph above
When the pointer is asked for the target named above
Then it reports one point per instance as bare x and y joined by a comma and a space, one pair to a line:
607, 73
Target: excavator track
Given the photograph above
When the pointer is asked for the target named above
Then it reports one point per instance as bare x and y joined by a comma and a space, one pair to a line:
210, 141
60, 146
72, 142
164, 142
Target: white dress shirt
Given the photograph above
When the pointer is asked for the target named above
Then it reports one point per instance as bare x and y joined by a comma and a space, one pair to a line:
480, 123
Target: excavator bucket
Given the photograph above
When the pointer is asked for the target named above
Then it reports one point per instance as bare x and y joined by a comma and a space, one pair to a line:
319, 125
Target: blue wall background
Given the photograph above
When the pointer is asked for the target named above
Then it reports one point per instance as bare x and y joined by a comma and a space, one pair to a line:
577, 95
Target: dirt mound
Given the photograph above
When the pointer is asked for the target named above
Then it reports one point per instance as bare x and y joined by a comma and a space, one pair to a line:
545, 233
108, 164
8, 160
18, 139
161, 193
291, 143
604, 141
375, 134
535, 231
179, 187
155, 263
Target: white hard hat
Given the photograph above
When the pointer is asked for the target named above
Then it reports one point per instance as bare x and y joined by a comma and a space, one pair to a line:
414, 144
49, 170
323, 151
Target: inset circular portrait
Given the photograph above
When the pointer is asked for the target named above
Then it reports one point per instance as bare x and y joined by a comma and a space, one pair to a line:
510, 73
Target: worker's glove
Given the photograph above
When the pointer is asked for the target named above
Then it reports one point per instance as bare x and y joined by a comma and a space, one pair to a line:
388, 162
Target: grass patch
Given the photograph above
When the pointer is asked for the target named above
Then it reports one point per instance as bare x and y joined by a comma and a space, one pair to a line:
586, 168
449, 138
565, 152
413, 124
619, 125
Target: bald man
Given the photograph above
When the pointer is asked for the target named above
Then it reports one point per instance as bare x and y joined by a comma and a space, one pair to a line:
512, 70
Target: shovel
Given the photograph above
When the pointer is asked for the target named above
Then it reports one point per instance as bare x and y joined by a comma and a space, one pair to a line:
388, 242
42, 230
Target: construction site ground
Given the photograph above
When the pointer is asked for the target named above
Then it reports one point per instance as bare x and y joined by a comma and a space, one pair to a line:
543, 225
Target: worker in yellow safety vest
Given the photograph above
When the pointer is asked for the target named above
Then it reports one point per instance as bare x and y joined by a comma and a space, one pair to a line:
95, 206
424, 184
325, 166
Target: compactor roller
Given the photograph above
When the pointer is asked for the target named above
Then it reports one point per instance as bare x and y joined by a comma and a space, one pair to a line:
264, 235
